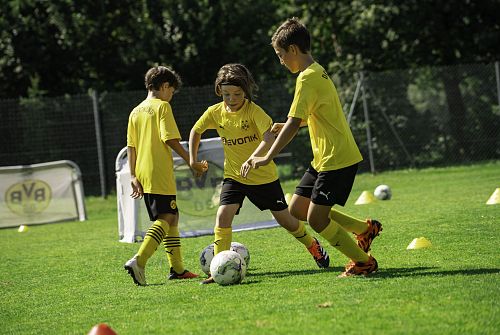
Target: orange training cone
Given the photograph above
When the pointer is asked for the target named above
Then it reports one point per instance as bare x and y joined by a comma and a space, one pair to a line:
101, 329
419, 243
495, 198
365, 198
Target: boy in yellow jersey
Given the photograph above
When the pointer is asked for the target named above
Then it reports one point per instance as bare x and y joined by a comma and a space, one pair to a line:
151, 135
245, 130
329, 178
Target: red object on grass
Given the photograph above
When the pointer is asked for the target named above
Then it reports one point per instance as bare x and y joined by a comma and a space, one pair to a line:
102, 329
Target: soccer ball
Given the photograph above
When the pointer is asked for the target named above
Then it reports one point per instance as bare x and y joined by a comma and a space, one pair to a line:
206, 257
242, 250
383, 192
228, 268
207, 254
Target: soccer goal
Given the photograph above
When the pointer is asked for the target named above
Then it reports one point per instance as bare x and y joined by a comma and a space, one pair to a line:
41, 193
197, 198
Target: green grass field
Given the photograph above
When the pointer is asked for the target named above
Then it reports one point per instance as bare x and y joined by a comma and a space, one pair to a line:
64, 278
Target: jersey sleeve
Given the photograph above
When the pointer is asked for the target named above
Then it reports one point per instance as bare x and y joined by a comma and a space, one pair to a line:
168, 127
262, 120
303, 100
130, 132
206, 121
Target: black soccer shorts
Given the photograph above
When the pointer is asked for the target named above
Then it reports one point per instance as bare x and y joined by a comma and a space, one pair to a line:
329, 187
265, 196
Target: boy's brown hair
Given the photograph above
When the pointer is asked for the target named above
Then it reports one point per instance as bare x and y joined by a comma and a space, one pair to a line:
292, 31
158, 75
236, 75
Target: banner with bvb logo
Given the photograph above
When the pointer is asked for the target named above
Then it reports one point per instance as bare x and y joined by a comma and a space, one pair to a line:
197, 198
41, 193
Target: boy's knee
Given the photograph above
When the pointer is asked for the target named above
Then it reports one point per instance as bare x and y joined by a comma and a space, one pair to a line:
169, 219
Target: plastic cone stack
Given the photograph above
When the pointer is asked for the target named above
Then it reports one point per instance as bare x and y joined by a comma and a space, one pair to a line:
419, 243
365, 198
495, 198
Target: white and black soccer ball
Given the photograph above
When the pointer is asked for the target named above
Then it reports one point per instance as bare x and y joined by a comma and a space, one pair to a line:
242, 250
206, 256
383, 192
228, 268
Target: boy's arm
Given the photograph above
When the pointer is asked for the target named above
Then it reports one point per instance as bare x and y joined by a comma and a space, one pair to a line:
194, 144
264, 146
176, 145
287, 133
267, 141
276, 128
137, 191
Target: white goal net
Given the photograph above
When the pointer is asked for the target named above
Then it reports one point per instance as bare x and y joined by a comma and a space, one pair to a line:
197, 199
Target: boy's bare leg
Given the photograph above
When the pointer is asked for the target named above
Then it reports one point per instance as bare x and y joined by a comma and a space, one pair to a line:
223, 231
297, 229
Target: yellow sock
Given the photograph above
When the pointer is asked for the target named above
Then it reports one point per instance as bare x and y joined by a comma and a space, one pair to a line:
349, 223
302, 236
154, 236
342, 241
172, 244
222, 239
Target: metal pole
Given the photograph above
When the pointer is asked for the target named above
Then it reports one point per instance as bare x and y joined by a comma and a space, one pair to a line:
100, 151
394, 132
354, 99
497, 74
367, 121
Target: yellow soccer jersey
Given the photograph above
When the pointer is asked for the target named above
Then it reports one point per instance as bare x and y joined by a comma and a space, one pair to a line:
316, 101
241, 133
150, 124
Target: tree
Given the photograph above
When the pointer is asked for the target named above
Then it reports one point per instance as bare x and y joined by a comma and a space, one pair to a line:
69, 47
359, 35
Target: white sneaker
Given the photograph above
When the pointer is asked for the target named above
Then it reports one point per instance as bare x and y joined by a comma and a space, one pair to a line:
135, 271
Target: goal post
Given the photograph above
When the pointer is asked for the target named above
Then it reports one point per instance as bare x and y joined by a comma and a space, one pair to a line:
197, 198
41, 193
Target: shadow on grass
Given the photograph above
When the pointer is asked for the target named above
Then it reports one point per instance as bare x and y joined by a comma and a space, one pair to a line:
429, 271
253, 278
287, 273
282, 274
153, 284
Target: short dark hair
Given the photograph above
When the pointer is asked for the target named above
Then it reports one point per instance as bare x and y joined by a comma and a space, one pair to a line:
292, 31
237, 75
158, 75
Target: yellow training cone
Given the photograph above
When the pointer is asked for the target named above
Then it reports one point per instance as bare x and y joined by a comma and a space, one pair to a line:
288, 198
365, 198
22, 228
495, 198
419, 243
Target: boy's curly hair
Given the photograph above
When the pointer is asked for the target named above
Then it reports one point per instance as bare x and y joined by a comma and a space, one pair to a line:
158, 75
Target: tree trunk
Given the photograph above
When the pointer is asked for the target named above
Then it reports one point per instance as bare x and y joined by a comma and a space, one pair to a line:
457, 114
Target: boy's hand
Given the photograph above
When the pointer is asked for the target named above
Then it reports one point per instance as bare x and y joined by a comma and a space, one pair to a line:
255, 162
276, 128
199, 168
245, 168
137, 191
